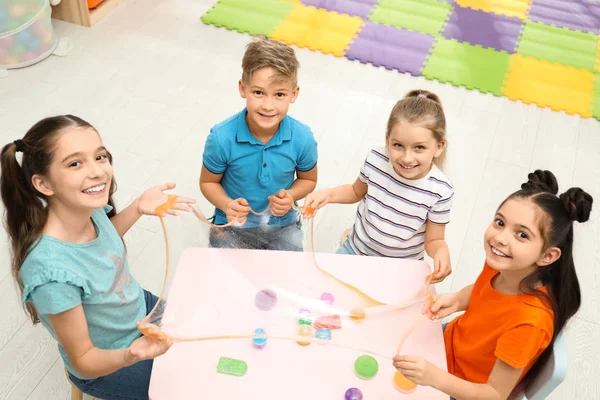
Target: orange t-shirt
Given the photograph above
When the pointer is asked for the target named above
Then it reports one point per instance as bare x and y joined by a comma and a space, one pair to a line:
514, 328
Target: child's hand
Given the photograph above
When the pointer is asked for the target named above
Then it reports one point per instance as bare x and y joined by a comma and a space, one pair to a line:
154, 197
316, 200
441, 265
281, 203
146, 348
237, 211
444, 305
417, 369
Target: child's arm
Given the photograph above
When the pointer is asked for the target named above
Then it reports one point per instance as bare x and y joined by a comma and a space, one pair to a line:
124, 220
146, 205
211, 188
344, 194
88, 361
500, 384
304, 184
437, 248
449, 303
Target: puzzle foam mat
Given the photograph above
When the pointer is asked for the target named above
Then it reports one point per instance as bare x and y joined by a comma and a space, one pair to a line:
544, 52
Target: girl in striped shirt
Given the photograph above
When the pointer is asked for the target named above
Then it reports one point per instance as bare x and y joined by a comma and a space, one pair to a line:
404, 197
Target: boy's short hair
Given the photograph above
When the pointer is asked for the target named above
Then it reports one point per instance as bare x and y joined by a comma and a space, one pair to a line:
264, 52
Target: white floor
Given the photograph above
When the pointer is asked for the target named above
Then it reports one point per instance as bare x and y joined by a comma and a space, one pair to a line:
153, 79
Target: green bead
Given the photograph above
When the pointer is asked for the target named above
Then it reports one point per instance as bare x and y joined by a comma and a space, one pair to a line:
366, 367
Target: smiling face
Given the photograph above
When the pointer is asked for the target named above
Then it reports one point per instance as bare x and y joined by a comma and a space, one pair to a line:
513, 242
80, 174
412, 150
267, 100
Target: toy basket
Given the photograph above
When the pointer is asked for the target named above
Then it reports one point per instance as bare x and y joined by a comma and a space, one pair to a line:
26, 33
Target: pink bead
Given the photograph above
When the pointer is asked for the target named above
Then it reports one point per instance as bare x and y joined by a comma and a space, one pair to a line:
327, 298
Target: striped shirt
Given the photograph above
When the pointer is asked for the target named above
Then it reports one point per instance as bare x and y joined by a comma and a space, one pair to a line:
392, 217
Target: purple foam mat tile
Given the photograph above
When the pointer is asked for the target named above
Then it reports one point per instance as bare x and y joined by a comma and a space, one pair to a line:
485, 29
392, 48
361, 8
580, 15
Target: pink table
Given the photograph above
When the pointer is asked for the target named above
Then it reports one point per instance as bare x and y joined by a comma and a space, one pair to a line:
213, 293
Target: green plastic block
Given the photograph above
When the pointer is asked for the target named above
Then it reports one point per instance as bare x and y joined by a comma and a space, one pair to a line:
560, 45
231, 366
427, 16
252, 16
465, 65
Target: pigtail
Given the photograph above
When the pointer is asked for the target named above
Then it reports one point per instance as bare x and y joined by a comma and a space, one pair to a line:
25, 214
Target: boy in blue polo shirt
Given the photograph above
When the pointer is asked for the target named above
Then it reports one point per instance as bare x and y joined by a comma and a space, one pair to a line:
261, 158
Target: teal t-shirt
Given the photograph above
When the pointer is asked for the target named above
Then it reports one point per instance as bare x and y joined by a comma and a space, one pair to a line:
58, 276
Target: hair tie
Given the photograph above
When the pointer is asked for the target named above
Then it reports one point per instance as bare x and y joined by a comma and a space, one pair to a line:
20, 146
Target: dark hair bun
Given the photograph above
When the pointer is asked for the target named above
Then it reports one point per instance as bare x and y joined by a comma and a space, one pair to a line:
578, 204
424, 94
541, 181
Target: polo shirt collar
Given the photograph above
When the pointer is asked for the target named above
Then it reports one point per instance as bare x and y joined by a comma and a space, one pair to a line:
284, 133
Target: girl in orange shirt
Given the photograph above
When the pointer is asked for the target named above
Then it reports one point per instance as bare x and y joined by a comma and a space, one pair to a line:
520, 302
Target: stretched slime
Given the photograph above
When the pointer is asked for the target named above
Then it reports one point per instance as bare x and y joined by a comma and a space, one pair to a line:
327, 323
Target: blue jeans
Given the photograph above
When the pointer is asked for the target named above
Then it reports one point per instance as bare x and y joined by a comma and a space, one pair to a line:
129, 383
270, 237
346, 249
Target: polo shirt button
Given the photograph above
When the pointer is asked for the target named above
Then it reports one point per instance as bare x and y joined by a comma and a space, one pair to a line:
265, 149
264, 165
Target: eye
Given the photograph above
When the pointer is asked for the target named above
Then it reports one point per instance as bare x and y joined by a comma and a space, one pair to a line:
74, 164
258, 92
498, 222
420, 147
102, 157
397, 145
281, 95
523, 235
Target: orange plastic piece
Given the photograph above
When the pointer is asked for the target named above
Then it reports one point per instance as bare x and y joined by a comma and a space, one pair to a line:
402, 384
318, 29
93, 3
555, 86
512, 8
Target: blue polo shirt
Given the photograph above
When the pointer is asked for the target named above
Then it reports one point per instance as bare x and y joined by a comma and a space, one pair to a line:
254, 170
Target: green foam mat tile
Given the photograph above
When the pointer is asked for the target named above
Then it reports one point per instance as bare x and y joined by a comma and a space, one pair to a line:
560, 45
465, 65
252, 16
425, 16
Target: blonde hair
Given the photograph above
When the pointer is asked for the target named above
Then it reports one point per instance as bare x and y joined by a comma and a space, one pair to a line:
424, 109
264, 52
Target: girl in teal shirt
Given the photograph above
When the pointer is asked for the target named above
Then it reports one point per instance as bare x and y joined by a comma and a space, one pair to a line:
69, 259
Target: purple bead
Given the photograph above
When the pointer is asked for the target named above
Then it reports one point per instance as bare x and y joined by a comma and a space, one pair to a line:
353, 394
265, 300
